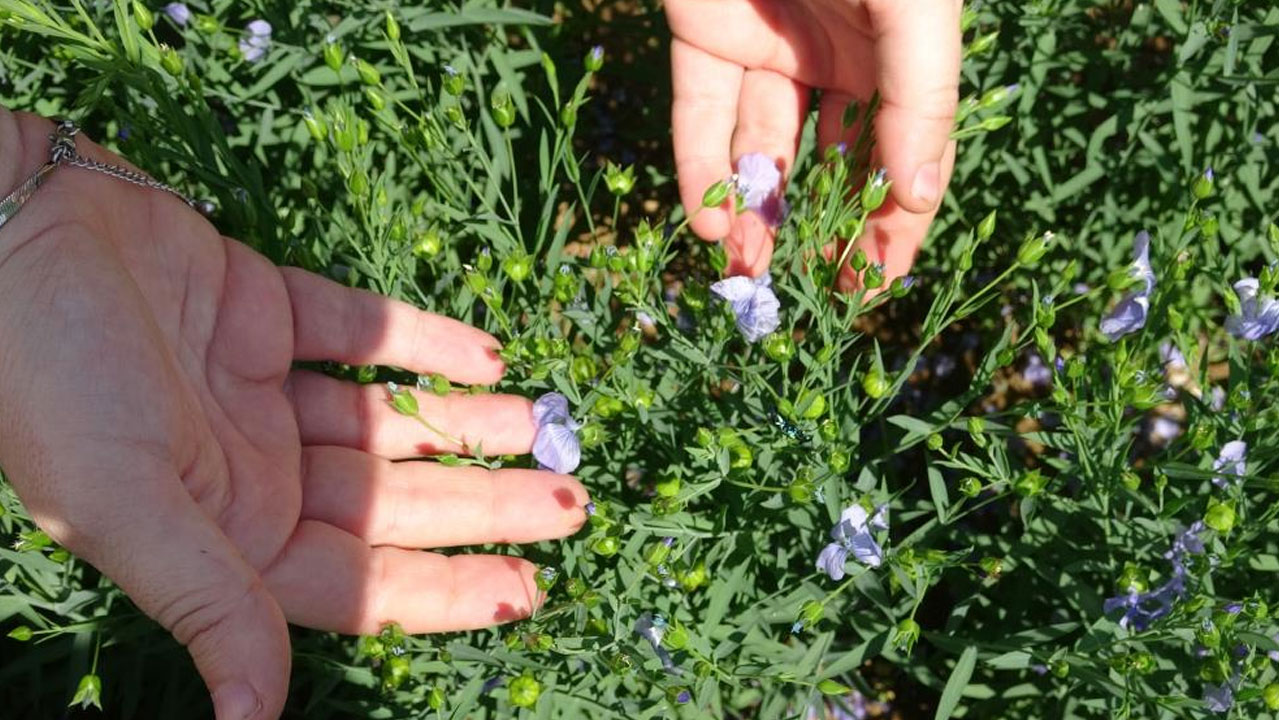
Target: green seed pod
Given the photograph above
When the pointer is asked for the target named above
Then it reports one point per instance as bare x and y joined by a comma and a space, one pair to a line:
669, 487
403, 400
427, 244
779, 346
1271, 696
656, 553
358, 183
874, 192
392, 27
88, 692
838, 461
605, 546
315, 125
453, 82
435, 698
704, 438
811, 612
618, 180
1220, 516
395, 670
171, 61
741, 457
676, 637
568, 115
1130, 480
875, 384
694, 577
1034, 248
375, 98
144, 17
716, 194
1030, 483
369, 75
905, 635
828, 430
859, 261
992, 566
800, 490
503, 108
810, 404
524, 691
935, 441
970, 486
517, 267
982, 44
22, 633
334, 56
583, 369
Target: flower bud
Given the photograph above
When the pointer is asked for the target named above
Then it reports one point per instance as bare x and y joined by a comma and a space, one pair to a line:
1271, 695
517, 266
1031, 483
873, 277
427, 244
22, 633
838, 461
1202, 187
810, 404
392, 27
694, 577
829, 430
568, 115
656, 553
605, 546
875, 191
89, 691
594, 59
859, 260
901, 285
315, 125
716, 194
995, 122
171, 61
334, 55
145, 19
369, 75
935, 441
982, 44
435, 698
376, 99
676, 637
1034, 248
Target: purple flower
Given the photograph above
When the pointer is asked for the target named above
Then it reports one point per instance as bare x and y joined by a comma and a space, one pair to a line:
1164, 429
178, 12
1036, 372
254, 45
754, 304
683, 697
1219, 698
1233, 460
1234, 608
1258, 315
852, 534
1142, 609
1171, 357
597, 54
758, 184
555, 445
1130, 314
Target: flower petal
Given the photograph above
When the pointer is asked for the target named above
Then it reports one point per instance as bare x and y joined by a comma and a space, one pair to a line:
557, 448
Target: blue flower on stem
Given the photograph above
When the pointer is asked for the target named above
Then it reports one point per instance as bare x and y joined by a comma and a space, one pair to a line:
1219, 698
1233, 460
555, 446
1129, 315
755, 305
758, 183
179, 13
254, 45
852, 534
1258, 315
1141, 609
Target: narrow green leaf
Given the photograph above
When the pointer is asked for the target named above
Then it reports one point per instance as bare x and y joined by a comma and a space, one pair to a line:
955, 685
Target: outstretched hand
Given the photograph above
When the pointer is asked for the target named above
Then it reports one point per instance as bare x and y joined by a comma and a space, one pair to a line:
153, 426
742, 72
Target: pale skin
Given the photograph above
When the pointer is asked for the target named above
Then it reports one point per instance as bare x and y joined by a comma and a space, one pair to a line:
743, 71
153, 424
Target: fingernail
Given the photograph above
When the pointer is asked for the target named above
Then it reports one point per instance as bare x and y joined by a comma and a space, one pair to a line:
927, 185
236, 701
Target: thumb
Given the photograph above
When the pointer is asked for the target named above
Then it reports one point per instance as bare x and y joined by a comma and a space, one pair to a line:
918, 48
181, 570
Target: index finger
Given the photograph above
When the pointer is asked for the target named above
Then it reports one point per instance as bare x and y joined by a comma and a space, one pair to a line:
357, 327
703, 117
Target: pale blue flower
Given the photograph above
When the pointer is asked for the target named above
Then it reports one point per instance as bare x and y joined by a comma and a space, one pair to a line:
1141, 609
1129, 315
754, 304
852, 535
178, 12
555, 445
758, 182
653, 628
1232, 460
1036, 372
1219, 698
1258, 314
256, 42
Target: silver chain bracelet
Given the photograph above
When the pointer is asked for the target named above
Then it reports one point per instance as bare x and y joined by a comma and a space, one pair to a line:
63, 153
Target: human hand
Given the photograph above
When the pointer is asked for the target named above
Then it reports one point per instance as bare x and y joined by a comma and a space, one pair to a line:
154, 427
742, 72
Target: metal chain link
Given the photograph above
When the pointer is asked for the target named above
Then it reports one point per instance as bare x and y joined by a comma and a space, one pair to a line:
63, 152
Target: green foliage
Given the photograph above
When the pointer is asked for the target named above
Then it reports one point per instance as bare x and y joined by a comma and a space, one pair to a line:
456, 158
